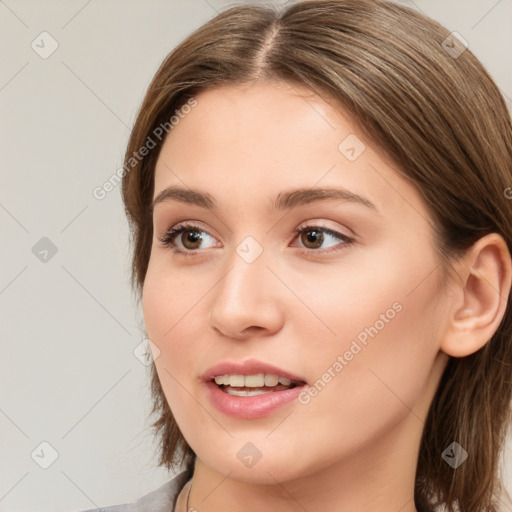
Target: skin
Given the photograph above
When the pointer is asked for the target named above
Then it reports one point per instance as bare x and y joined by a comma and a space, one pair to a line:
355, 445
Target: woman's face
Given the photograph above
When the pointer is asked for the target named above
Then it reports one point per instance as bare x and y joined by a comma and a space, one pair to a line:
341, 292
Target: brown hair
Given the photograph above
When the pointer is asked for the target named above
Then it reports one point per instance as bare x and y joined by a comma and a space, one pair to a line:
439, 117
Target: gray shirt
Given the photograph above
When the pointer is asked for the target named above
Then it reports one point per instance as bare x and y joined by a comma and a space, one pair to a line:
162, 499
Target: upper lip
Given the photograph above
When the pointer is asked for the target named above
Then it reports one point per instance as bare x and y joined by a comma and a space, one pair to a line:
247, 367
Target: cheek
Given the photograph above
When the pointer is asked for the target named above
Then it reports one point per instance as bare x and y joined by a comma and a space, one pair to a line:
165, 317
175, 313
169, 303
383, 358
166, 304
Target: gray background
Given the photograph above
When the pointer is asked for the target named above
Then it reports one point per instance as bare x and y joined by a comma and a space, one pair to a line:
69, 376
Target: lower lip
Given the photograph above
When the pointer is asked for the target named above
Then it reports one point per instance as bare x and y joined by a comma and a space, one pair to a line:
250, 407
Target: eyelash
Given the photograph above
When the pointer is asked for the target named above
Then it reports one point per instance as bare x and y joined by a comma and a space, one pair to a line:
170, 235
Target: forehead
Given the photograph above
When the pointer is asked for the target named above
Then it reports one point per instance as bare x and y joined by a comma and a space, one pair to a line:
262, 138
272, 122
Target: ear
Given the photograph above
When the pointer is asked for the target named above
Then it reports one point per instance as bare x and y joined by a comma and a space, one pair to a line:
480, 298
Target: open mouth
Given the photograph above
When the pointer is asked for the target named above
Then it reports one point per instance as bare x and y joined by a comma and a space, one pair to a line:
253, 385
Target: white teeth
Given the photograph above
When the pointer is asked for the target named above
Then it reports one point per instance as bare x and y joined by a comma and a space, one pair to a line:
252, 381
271, 380
245, 392
236, 380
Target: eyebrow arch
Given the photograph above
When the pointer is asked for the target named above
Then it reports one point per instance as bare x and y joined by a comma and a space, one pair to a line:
284, 200
291, 199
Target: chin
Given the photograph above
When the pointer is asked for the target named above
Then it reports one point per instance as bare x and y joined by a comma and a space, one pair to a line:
263, 473
273, 464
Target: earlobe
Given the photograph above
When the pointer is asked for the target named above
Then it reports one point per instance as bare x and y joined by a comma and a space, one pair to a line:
484, 288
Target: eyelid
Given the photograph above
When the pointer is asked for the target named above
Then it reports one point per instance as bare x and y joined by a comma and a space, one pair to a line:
318, 224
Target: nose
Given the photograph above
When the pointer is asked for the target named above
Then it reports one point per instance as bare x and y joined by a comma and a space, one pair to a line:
247, 300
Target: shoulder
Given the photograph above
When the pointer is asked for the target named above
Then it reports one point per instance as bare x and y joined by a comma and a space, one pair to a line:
162, 499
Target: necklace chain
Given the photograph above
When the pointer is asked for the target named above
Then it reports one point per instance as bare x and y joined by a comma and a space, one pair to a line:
188, 496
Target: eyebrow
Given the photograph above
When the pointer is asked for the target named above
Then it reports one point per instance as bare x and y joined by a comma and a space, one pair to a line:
284, 200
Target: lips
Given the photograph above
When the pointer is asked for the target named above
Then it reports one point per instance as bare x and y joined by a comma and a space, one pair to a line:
250, 389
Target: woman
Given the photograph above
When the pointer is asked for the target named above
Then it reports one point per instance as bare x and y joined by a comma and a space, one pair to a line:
320, 206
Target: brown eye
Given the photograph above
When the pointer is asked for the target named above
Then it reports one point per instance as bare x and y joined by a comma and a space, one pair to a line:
312, 238
317, 239
187, 238
191, 239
